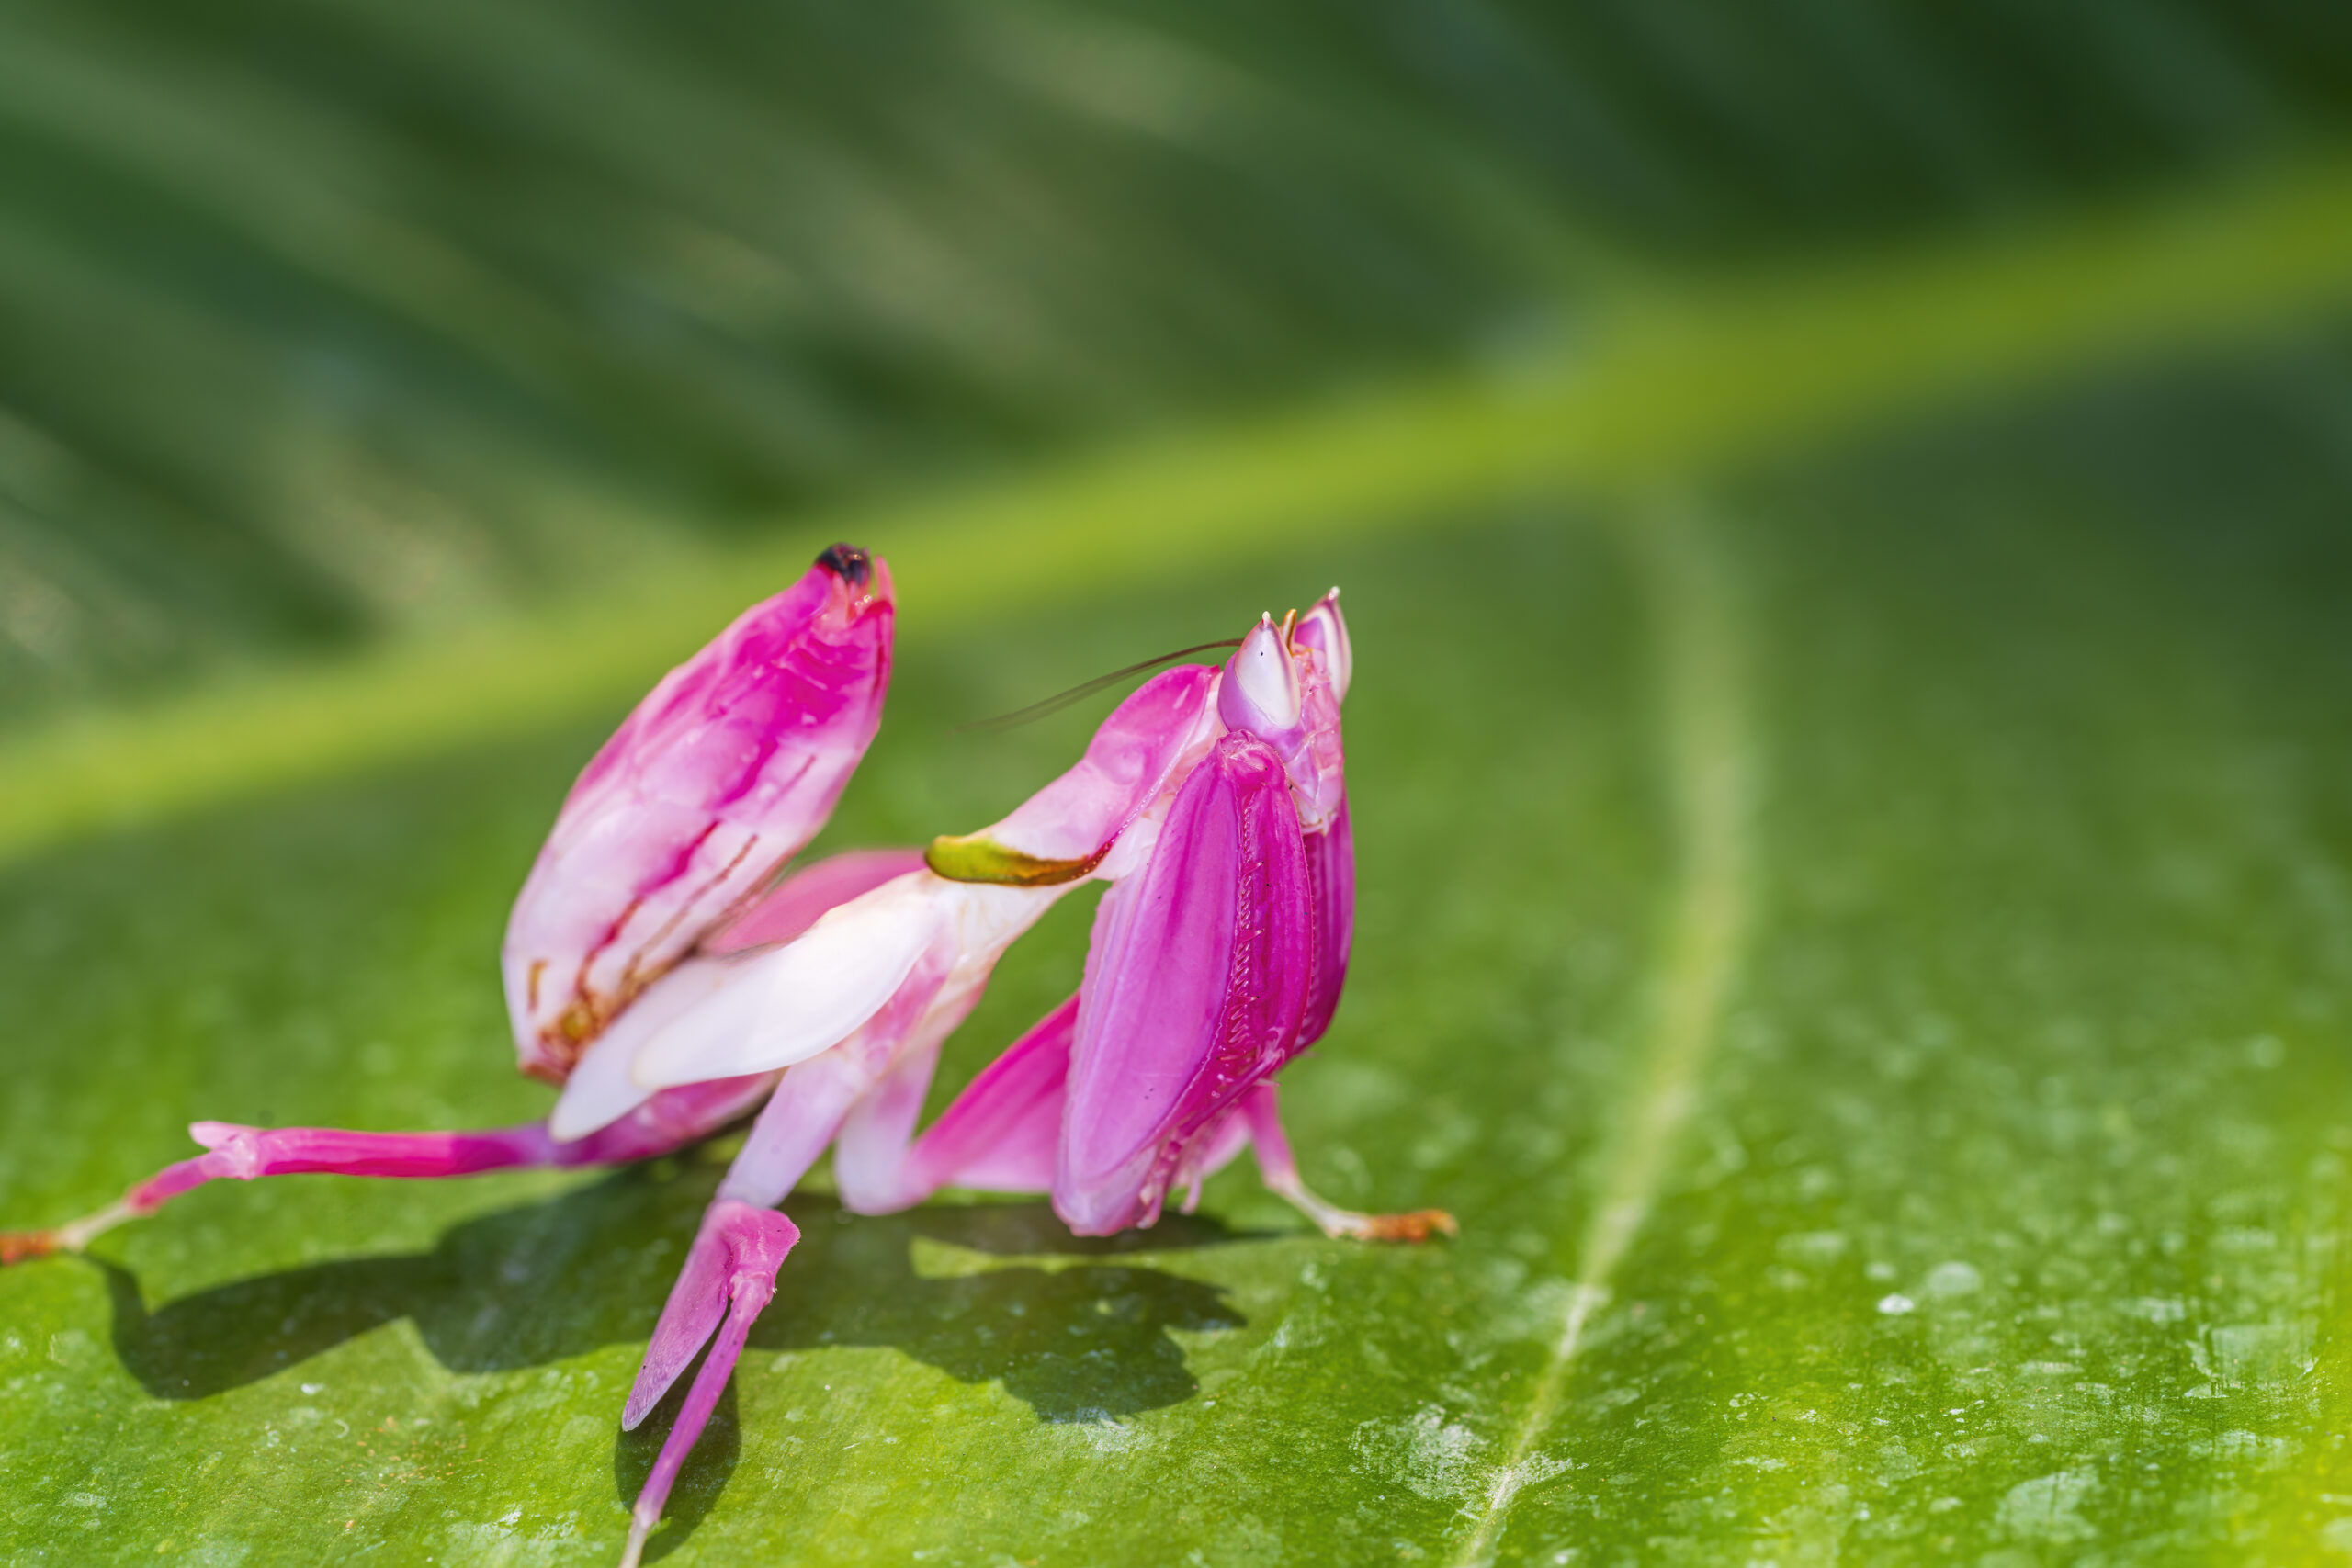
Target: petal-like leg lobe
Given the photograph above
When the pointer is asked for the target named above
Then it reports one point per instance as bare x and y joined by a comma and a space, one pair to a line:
1332, 897
711, 1278
729, 1272
792, 1131
1002, 1130
1280, 1172
787, 1004
1195, 986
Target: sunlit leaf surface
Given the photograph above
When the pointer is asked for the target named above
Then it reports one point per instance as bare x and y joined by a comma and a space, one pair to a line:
1862, 947
1844, 530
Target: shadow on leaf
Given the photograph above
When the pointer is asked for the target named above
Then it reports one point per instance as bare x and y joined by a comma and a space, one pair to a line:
1061, 1322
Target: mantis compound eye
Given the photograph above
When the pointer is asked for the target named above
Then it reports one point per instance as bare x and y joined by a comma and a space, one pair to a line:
851, 565
1261, 692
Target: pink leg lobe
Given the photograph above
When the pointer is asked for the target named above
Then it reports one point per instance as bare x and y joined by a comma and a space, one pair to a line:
730, 1270
729, 1274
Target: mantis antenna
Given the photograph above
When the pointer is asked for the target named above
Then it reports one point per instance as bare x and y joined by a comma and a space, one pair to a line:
1061, 700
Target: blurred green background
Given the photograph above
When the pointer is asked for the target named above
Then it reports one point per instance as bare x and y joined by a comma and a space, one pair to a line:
1843, 510
333, 322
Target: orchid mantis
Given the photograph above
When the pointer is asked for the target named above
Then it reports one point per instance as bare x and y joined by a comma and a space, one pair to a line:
658, 971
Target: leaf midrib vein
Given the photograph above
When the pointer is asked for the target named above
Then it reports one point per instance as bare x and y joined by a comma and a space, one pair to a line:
1702, 668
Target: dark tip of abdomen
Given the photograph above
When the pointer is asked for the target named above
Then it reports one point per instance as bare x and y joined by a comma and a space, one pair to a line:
849, 563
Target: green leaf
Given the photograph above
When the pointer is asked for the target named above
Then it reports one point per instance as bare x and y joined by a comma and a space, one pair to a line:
1848, 758
1676, 384
1862, 948
326, 321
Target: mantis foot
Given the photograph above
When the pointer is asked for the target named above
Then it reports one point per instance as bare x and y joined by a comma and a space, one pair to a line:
1279, 1170
1338, 1223
23, 1246
1419, 1225
18, 1246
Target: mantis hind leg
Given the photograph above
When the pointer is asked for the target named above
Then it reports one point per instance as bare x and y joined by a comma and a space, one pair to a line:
729, 1281
242, 1153
731, 1269
1279, 1170
1000, 1134
233, 1151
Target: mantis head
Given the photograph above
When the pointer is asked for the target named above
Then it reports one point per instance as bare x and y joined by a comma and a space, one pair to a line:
1283, 686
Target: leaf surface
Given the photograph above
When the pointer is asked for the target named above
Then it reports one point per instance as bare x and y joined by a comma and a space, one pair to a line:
1848, 757
1866, 971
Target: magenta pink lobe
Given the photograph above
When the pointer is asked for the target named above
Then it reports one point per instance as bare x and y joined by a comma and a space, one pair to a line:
721, 773
1331, 895
1195, 986
736, 1243
730, 1271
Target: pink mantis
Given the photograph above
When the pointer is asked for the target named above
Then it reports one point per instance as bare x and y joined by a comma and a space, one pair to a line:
658, 971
